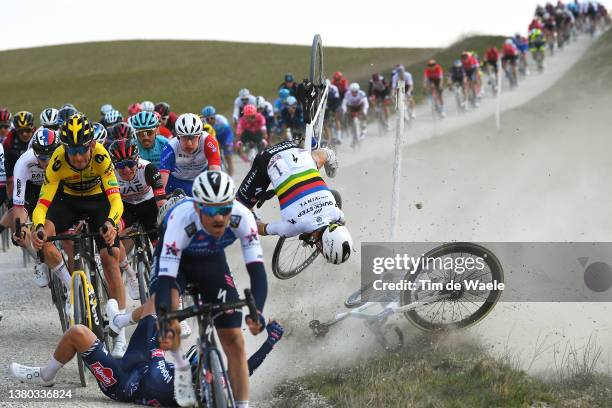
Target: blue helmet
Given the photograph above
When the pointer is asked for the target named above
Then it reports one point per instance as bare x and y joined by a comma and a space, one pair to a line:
144, 120
288, 77
208, 111
64, 113
291, 101
457, 63
284, 93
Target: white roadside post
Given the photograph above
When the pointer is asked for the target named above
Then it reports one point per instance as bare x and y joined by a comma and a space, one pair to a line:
498, 96
397, 162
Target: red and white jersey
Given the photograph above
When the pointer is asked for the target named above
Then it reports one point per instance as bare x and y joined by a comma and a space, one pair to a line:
26, 169
509, 50
145, 185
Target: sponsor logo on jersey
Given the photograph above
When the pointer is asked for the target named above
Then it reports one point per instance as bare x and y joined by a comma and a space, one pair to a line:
103, 374
252, 236
172, 249
161, 365
157, 353
56, 165
235, 220
153, 403
191, 229
113, 183
99, 158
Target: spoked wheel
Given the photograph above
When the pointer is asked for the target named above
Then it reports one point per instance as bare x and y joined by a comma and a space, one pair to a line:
454, 308
80, 314
221, 389
59, 300
316, 61
291, 256
143, 281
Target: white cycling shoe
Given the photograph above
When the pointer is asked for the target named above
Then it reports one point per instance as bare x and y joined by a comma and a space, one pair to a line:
119, 348
132, 285
112, 310
41, 274
185, 329
28, 374
184, 393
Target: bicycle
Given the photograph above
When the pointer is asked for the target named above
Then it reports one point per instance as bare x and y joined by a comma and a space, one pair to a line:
430, 308
142, 258
354, 126
459, 93
437, 109
510, 72
381, 120
5, 235
301, 250
88, 289
213, 388
538, 56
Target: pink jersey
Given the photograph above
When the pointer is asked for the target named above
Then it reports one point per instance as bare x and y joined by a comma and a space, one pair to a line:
256, 125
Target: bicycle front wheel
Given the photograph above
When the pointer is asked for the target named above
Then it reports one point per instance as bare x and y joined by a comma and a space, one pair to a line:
291, 256
453, 309
221, 389
316, 61
80, 316
59, 300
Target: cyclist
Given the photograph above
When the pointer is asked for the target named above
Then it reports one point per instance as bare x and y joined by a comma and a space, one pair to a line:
491, 59
252, 128
378, 92
356, 102
457, 79
244, 98
408, 87
134, 109
550, 28
341, 83
195, 233
16, 144
167, 119
224, 134
5, 123
292, 119
28, 176
147, 106
187, 155
289, 84
2, 183
279, 103
265, 108
143, 376
537, 43
150, 144
64, 113
89, 188
433, 79
510, 56
49, 119
100, 133
333, 112
306, 204
142, 192
112, 118
522, 45
471, 67
535, 23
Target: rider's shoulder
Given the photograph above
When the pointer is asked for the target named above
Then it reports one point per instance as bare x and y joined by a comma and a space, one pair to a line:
161, 139
242, 219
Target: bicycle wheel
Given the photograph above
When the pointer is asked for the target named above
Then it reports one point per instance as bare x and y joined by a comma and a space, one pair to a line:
221, 389
291, 256
97, 300
59, 300
80, 317
367, 293
455, 308
316, 61
143, 273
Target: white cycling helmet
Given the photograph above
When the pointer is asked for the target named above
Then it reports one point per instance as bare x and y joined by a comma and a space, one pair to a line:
107, 107
188, 124
147, 106
509, 41
49, 117
244, 93
336, 243
354, 87
213, 187
260, 102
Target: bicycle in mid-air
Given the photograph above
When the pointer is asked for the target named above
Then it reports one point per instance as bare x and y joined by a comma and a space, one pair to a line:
432, 307
212, 385
142, 259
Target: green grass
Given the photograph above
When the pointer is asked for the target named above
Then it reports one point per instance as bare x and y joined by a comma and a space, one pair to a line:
187, 74
426, 374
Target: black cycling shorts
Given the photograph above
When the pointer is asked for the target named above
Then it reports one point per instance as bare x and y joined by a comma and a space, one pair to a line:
30, 198
144, 213
511, 58
214, 278
66, 210
248, 137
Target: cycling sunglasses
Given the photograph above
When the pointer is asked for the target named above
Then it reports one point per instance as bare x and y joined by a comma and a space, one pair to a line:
74, 150
125, 163
212, 211
189, 137
148, 132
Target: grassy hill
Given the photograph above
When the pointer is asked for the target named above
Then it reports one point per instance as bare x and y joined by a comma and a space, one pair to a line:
187, 74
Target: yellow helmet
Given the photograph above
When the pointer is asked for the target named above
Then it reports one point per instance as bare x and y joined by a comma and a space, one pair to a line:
77, 131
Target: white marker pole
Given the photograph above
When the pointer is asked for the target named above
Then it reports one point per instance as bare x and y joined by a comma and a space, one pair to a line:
498, 96
397, 163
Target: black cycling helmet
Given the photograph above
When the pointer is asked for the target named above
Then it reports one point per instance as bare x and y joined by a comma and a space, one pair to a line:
123, 149
163, 109
77, 131
23, 120
64, 113
121, 130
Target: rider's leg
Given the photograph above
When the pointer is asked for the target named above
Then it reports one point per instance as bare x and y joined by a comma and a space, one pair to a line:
232, 341
116, 288
53, 257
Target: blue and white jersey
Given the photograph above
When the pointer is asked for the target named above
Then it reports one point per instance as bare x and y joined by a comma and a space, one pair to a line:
153, 154
185, 235
182, 165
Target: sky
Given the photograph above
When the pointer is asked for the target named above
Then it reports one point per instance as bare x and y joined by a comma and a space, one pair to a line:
348, 23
